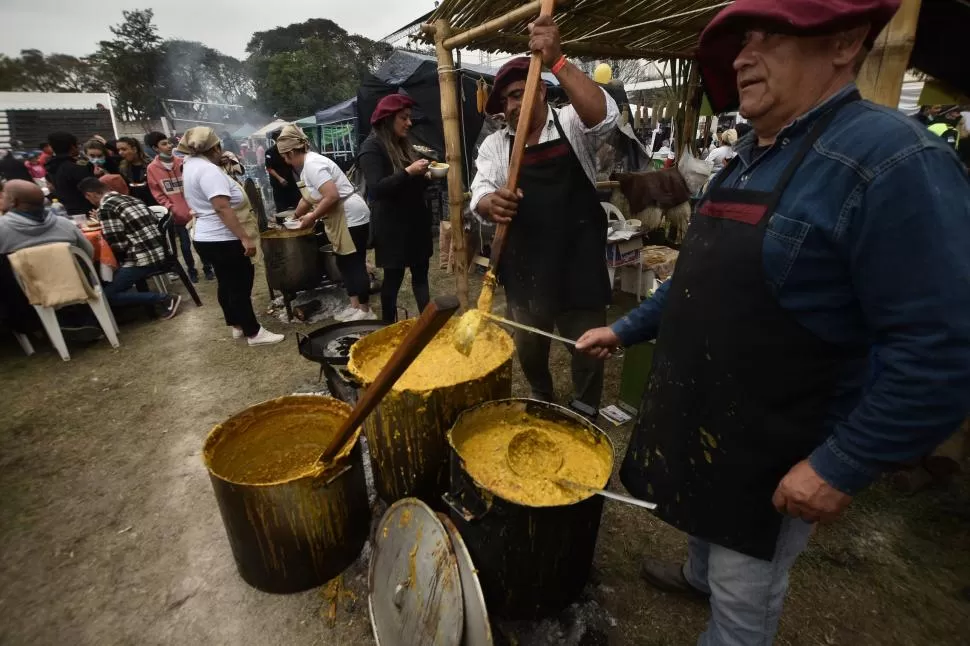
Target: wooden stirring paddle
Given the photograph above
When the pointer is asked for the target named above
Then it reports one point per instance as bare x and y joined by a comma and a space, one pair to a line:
471, 321
432, 319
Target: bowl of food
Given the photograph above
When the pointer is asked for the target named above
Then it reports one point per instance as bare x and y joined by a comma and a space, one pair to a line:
438, 170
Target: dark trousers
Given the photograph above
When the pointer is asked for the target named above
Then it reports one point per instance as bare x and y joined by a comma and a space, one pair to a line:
353, 266
394, 278
185, 241
234, 275
533, 351
117, 291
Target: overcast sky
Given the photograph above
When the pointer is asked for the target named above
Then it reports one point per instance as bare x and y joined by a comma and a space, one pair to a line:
73, 27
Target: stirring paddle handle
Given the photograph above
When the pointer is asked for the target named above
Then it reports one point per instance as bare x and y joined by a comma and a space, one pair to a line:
432, 319
609, 494
521, 134
529, 328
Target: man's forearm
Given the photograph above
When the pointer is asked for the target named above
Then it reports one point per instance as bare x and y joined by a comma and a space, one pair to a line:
586, 96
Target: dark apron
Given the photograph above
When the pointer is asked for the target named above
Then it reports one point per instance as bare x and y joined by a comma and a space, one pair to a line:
739, 389
555, 254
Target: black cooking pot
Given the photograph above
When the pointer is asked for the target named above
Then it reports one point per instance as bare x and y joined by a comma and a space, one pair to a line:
292, 260
532, 561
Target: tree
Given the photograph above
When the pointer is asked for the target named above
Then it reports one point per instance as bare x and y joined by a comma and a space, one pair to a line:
32, 71
131, 63
306, 66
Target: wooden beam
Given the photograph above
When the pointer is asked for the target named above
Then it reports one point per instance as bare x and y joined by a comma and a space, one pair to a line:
450, 105
881, 78
510, 42
488, 28
693, 96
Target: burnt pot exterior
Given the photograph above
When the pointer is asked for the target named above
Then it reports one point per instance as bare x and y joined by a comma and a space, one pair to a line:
292, 263
532, 562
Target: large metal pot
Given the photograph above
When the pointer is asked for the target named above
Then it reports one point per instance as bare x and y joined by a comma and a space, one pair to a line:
532, 561
406, 433
297, 534
292, 260
329, 259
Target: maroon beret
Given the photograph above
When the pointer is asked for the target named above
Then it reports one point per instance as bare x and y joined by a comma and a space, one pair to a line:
390, 105
514, 71
721, 41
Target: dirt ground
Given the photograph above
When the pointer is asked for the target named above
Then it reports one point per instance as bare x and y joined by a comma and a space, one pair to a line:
110, 533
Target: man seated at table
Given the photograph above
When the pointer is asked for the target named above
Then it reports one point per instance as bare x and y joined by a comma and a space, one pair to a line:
131, 229
27, 223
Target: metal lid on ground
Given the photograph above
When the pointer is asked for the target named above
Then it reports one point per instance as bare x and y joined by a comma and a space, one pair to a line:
478, 630
415, 588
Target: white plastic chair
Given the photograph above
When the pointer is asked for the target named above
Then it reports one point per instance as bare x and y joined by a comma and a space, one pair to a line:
612, 213
98, 305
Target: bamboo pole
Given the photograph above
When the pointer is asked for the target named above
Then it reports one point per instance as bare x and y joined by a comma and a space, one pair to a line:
692, 103
881, 78
488, 28
448, 82
593, 49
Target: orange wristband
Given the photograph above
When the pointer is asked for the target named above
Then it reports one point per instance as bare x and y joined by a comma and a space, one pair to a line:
561, 63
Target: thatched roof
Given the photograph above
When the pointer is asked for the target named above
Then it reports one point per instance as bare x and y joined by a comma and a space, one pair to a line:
594, 28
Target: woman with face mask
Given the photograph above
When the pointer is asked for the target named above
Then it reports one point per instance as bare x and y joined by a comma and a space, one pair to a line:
134, 168
104, 167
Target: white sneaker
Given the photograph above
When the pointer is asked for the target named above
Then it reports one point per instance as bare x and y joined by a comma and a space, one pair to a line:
265, 337
362, 315
345, 314
237, 333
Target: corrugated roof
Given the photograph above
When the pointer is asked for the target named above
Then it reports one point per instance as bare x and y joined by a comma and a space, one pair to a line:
54, 100
594, 28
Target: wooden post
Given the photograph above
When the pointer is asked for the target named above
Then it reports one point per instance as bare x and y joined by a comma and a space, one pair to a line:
881, 77
687, 136
488, 28
448, 82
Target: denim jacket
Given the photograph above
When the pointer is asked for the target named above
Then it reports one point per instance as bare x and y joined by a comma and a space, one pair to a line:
868, 249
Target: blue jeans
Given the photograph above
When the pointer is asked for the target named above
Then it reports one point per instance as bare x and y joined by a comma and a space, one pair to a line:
124, 279
185, 241
747, 594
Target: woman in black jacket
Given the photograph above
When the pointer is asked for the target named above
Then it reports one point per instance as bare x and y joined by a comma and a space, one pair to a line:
400, 219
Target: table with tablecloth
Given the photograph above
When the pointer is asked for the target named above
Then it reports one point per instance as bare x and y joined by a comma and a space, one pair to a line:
104, 257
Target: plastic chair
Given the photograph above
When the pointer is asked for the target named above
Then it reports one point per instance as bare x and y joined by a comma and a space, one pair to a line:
98, 305
25, 343
612, 212
171, 265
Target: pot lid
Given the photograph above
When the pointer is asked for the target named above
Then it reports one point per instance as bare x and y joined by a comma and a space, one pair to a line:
415, 588
478, 630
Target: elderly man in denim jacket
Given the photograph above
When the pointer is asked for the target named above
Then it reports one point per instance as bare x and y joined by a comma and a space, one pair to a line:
817, 328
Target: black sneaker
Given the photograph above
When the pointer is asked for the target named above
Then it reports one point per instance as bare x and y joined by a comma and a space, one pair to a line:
194, 275
171, 307
82, 333
209, 274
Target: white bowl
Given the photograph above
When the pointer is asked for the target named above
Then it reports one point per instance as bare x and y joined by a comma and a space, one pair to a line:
291, 224
439, 172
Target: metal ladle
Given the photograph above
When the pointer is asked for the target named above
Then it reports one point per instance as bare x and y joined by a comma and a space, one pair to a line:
532, 453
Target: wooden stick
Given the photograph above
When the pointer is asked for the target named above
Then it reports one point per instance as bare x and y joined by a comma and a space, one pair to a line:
521, 135
881, 78
488, 28
434, 317
448, 84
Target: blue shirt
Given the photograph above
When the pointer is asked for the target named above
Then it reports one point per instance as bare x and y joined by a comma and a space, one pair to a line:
869, 249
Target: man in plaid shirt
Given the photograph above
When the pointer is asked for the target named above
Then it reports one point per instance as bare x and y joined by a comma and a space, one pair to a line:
131, 229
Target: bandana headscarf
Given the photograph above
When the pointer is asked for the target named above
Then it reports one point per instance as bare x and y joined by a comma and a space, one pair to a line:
198, 140
291, 138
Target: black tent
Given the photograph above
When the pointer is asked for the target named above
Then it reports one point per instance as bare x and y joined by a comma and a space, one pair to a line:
416, 75
343, 111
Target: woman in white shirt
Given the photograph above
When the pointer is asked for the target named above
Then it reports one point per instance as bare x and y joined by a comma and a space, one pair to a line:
327, 194
220, 238
724, 153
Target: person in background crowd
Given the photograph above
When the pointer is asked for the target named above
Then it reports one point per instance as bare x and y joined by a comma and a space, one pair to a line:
28, 224
724, 153
220, 238
285, 193
104, 167
36, 169
13, 167
149, 151
229, 145
329, 196
165, 183
401, 220
134, 168
794, 363
46, 152
65, 172
131, 229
